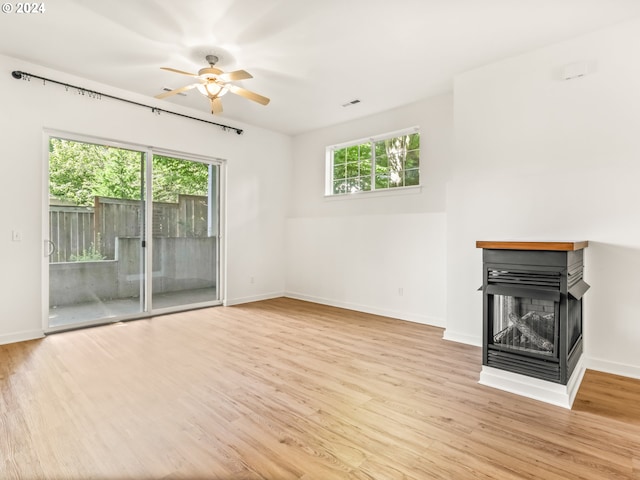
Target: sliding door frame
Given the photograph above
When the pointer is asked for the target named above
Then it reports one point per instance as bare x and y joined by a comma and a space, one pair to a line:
221, 247
149, 152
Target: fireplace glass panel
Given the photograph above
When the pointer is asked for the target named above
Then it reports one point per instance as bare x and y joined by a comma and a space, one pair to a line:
524, 324
574, 322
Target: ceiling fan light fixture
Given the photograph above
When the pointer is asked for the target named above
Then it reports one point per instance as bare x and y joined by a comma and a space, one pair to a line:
212, 89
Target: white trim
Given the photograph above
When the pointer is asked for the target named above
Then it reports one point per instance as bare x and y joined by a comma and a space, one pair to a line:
94, 140
187, 156
221, 285
462, 338
615, 368
408, 316
375, 138
44, 234
21, 336
253, 298
383, 192
548, 392
146, 286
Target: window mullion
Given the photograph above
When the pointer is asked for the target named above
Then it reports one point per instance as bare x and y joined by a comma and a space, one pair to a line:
373, 165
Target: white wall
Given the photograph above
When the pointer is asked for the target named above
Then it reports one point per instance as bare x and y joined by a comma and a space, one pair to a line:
358, 251
536, 157
544, 158
258, 166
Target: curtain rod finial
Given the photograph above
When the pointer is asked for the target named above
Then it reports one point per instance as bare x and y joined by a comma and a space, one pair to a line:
16, 74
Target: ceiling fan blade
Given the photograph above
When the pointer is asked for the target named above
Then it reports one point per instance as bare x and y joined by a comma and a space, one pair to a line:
178, 71
216, 105
177, 90
248, 94
233, 76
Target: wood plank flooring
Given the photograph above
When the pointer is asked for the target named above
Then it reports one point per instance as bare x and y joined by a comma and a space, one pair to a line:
283, 389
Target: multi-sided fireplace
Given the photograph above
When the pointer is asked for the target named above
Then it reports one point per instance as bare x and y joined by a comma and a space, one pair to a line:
532, 301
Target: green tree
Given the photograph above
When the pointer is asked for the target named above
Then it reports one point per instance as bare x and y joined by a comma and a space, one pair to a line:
120, 174
71, 173
173, 176
79, 171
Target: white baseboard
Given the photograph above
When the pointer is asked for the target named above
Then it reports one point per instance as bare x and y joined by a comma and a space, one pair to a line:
549, 392
21, 336
462, 338
614, 368
255, 298
408, 316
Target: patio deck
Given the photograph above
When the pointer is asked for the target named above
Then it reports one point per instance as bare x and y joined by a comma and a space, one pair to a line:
69, 315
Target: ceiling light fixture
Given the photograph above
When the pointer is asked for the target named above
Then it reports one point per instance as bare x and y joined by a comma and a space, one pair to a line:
212, 89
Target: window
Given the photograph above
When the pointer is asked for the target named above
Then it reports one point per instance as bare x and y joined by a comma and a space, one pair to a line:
378, 163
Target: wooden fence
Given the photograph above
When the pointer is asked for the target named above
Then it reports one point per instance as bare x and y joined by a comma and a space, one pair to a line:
71, 231
87, 232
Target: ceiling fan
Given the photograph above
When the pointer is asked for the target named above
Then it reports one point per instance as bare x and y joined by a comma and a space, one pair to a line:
214, 83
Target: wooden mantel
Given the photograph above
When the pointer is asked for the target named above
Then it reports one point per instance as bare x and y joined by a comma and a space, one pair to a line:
517, 245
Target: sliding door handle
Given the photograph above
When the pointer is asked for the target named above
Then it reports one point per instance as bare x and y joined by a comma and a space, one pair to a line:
49, 248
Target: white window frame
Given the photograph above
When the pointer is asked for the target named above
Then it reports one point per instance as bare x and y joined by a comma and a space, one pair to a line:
376, 138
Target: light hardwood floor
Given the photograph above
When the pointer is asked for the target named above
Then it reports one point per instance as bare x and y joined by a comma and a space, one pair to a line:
284, 389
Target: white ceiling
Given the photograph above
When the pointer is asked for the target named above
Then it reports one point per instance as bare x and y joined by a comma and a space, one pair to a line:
309, 56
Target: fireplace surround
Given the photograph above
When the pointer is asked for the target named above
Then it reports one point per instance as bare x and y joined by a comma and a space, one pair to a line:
532, 313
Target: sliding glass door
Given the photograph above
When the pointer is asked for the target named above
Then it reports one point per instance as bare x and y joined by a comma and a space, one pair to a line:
96, 232
128, 233
185, 232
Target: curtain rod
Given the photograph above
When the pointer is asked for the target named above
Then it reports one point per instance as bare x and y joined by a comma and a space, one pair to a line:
27, 76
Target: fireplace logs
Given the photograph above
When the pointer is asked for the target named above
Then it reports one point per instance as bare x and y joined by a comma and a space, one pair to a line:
526, 326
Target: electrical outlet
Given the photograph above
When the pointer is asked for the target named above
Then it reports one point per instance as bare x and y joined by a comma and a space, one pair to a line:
252, 280
16, 235
400, 292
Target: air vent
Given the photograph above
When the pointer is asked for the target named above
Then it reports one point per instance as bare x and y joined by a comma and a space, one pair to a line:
167, 89
352, 102
519, 277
